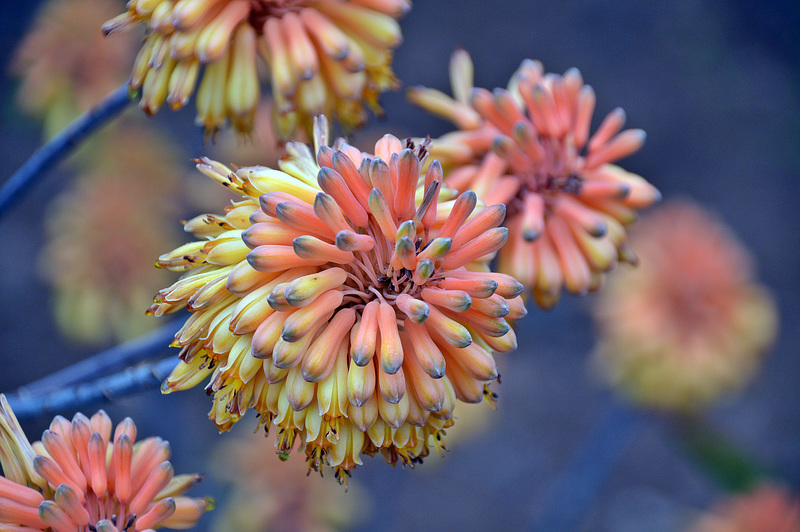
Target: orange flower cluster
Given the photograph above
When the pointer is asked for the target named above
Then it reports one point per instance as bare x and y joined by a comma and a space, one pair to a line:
78, 478
324, 56
689, 323
529, 147
768, 508
346, 298
64, 63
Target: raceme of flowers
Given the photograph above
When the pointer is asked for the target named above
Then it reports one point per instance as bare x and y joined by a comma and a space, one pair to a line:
529, 147
64, 63
346, 298
102, 231
324, 56
689, 323
77, 478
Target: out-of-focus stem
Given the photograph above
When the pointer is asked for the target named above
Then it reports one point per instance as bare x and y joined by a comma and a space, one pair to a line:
104, 390
35, 168
113, 359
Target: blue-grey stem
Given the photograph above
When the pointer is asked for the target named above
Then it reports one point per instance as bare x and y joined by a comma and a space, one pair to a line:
59, 146
69, 399
116, 358
578, 484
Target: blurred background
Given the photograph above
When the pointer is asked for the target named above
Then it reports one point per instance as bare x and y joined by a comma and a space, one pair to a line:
715, 84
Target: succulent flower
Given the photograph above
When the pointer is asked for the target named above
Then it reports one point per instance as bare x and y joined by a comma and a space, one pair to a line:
324, 56
346, 298
268, 494
689, 323
76, 479
768, 508
529, 147
102, 231
65, 66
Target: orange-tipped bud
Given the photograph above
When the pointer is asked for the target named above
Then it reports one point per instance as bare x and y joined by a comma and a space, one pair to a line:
301, 320
436, 249
330, 213
363, 345
334, 184
161, 511
360, 383
270, 258
355, 182
456, 300
350, 241
304, 290
463, 207
406, 168
406, 253
423, 272
380, 210
416, 310
476, 288
391, 353
495, 306
487, 243
392, 386
453, 332
479, 224
319, 361
314, 249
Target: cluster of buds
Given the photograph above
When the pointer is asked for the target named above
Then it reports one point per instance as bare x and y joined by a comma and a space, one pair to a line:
529, 147
324, 56
346, 298
80, 478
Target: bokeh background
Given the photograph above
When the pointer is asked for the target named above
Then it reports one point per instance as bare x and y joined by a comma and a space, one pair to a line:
715, 84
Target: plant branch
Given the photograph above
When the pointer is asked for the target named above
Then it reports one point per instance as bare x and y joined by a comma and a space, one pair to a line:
103, 390
59, 146
113, 359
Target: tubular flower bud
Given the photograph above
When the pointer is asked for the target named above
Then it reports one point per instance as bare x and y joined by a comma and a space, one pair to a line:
529, 147
323, 56
89, 481
690, 323
348, 307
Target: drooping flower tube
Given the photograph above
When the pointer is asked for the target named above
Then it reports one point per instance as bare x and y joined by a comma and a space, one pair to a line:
529, 147
346, 298
80, 478
324, 56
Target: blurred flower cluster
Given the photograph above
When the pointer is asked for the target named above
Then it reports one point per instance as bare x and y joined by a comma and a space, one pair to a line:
688, 324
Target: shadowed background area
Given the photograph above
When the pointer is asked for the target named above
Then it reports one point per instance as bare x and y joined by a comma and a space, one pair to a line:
714, 85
